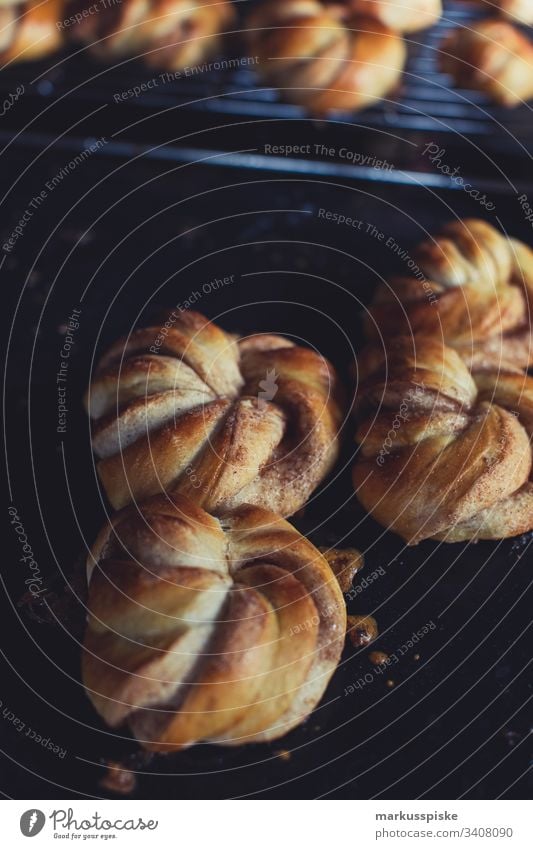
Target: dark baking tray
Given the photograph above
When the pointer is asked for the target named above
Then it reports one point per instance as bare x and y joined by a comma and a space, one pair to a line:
137, 236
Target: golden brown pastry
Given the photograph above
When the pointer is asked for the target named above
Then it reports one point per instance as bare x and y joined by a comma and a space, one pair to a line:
167, 34
221, 420
202, 629
321, 60
519, 11
471, 286
29, 31
444, 454
400, 15
492, 56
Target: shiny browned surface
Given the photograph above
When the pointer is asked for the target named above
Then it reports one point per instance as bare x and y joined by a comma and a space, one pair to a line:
196, 417
203, 629
322, 57
444, 454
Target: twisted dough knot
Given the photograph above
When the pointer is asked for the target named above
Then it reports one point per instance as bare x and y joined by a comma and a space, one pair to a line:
471, 286
200, 629
492, 56
443, 454
29, 31
168, 34
319, 60
222, 421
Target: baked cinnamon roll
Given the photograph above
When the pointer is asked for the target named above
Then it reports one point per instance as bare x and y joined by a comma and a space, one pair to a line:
492, 56
444, 454
469, 285
167, 34
201, 629
221, 420
322, 57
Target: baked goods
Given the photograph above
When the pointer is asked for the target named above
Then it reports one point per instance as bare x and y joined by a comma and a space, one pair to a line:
322, 57
202, 629
167, 34
519, 11
492, 56
400, 15
29, 31
444, 454
223, 421
471, 286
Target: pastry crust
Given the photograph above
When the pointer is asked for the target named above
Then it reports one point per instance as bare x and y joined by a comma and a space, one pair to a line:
29, 31
322, 57
519, 11
492, 56
167, 34
220, 420
470, 286
201, 629
403, 16
444, 454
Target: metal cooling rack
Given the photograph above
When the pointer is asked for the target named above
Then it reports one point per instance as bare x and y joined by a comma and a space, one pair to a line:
229, 112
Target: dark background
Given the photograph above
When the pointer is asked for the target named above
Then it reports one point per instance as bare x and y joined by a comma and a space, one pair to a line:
129, 234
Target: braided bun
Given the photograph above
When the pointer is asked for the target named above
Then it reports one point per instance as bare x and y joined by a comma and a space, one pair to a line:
492, 56
471, 286
226, 631
168, 34
322, 61
219, 420
443, 454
